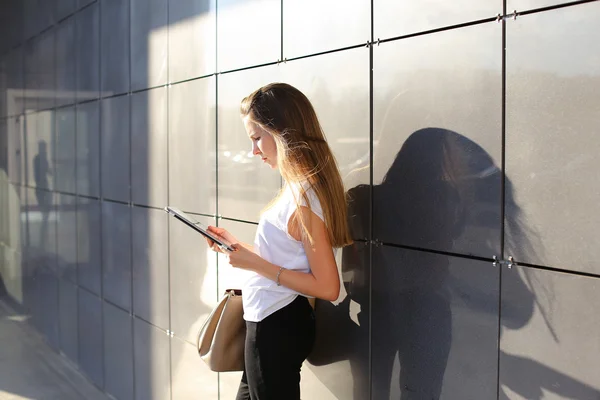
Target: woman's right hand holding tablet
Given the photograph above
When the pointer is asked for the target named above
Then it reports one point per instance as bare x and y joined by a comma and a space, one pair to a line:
221, 233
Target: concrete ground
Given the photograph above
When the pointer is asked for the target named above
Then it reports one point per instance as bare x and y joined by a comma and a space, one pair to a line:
30, 369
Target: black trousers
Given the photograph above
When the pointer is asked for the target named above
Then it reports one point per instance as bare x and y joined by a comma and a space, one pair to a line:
275, 349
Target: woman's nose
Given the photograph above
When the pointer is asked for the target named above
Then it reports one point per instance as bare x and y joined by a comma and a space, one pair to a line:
255, 149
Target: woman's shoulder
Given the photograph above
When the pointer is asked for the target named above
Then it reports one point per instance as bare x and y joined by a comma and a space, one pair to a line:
303, 194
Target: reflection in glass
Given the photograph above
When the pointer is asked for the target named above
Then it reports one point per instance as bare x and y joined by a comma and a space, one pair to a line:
423, 195
449, 80
89, 241
88, 149
116, 254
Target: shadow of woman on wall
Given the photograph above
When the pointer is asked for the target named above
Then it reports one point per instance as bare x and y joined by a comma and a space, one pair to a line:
440, 195
434, 316
422, 203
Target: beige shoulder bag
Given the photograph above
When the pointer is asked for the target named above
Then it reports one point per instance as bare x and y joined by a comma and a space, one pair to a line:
221, 339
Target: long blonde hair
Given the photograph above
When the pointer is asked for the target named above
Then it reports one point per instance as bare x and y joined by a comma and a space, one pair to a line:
303, 155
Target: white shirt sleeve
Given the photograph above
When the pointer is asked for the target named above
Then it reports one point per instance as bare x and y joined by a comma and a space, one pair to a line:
313, 203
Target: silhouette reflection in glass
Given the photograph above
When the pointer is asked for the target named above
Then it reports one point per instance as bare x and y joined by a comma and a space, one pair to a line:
440, 189
439, 183
41, 171
420, 202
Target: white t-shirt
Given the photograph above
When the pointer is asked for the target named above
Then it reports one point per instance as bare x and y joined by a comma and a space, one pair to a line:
261, 296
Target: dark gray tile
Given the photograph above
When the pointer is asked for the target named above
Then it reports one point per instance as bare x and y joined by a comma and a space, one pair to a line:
118, 352
239, 196
88, 52
27, 19
115, 148
396, 18
46, 311
39, 15
89, 239
91, 347
114, 47
116, 253
149, 43
15, 73
193, 277
65, 151
64, 8
46, 13
549, 341
46, 70
66, 237
28, 288
434, 325
192, 24
552, 187
88, 149
234, 20
65, 62
83, 3
335, 25
13, 21
151, 362
69, 342
149, 175
6, 29
192, 178
150, 259
190, 376
437, 160
30, 75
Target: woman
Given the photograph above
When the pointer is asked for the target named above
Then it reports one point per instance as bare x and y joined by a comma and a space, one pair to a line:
292, 258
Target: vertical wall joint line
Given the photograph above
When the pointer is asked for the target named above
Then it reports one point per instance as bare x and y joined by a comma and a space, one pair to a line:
503, 192
370, 245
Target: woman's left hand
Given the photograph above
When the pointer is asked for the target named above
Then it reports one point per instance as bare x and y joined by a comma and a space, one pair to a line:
244, 258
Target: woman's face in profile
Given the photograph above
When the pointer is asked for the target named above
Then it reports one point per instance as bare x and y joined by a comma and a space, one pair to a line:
263, 144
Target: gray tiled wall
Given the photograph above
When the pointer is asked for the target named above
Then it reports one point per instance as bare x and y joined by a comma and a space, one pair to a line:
461, 134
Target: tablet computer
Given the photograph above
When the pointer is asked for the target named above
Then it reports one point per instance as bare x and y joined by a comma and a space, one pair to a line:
199, 227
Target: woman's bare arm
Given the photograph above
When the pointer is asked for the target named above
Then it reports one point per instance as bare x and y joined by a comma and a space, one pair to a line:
323, 281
